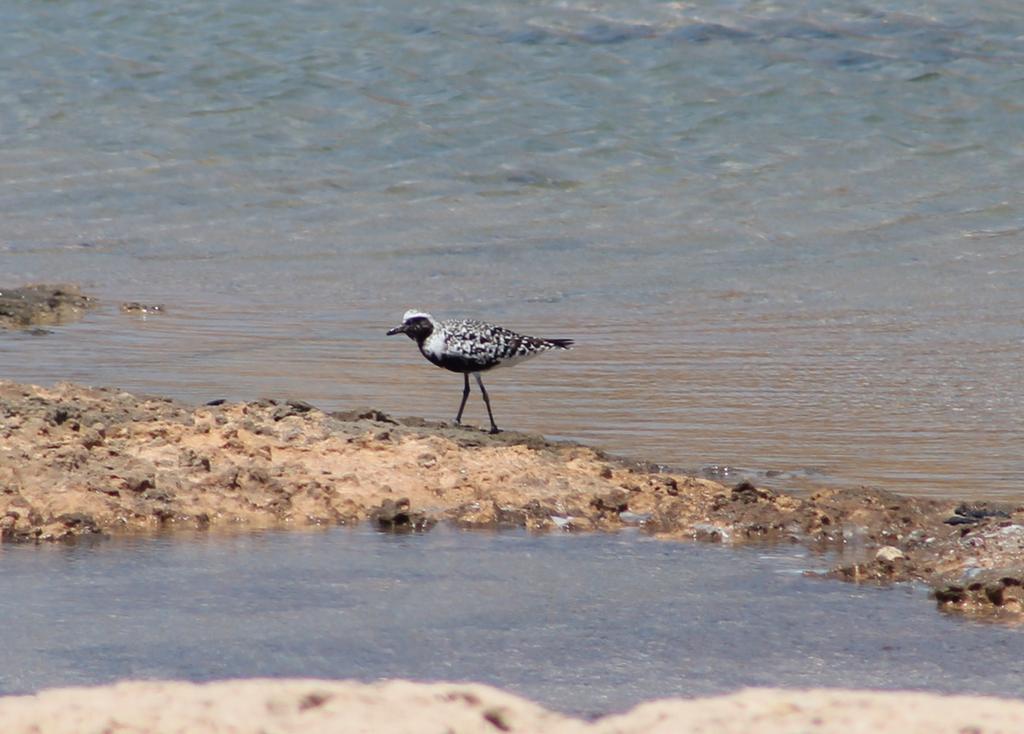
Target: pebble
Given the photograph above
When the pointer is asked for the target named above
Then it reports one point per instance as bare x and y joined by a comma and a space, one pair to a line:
889, 553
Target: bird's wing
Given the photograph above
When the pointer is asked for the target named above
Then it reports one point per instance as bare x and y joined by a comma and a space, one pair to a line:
473, 340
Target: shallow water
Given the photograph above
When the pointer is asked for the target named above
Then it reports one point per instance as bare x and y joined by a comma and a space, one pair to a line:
786, 238
588, 625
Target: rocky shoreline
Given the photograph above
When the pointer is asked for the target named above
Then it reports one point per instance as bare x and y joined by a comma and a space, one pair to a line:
399, 707
80, 461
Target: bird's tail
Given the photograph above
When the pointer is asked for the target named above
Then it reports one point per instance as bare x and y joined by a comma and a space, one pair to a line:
560, 343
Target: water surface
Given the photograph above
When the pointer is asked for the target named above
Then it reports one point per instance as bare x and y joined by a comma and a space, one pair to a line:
587, 624
786, 238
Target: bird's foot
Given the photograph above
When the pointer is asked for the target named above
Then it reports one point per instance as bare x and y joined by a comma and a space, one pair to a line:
494, 429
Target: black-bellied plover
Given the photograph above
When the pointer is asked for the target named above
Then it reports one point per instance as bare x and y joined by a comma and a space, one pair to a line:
472, 347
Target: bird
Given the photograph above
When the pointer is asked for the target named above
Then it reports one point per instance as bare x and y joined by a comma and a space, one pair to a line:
471, 347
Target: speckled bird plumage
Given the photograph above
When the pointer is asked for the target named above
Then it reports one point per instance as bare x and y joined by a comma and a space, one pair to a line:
472, 347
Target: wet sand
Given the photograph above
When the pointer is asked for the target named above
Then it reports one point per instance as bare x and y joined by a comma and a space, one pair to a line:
395, 707
87, 461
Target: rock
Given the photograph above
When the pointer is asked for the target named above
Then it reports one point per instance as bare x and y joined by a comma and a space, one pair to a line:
290, 408
747, 492
950, 594
615, 502
138, 481
670, 485
79, 522
711, 533
32, 305
397, 516
889, 554
58, 415
91, 438
971, 514
476, 515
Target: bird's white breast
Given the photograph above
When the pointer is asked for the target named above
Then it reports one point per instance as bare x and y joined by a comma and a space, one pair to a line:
433, 345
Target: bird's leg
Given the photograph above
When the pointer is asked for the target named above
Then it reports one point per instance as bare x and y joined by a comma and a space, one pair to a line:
465, 397
487, 401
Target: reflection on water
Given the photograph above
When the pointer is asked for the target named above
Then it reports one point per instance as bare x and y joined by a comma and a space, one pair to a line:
583, 624
786, 239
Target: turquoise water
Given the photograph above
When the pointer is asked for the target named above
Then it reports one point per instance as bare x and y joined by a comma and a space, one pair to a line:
584, 624
787, 237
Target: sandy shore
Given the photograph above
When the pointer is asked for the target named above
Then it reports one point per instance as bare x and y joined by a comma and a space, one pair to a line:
402, 707
84, 461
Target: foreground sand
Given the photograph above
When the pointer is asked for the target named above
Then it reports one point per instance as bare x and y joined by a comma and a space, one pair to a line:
402, 707
82, 461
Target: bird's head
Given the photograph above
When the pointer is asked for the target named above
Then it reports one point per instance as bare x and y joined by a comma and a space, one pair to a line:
417, 325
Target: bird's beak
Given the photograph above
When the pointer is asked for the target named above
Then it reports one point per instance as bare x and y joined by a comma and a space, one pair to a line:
397, 330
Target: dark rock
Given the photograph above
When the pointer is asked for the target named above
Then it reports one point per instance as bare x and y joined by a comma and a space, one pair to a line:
950, 594
966, 514
58, 416
615, 501
510, 517
398, 516
747, 492
80, 522
958, 520
994, 593
163, 514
